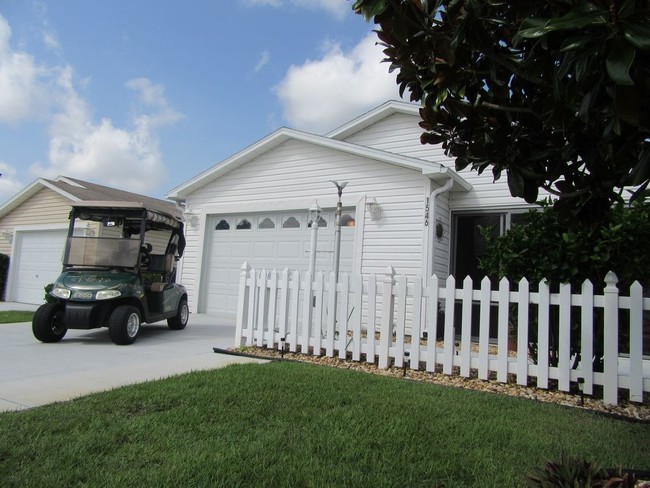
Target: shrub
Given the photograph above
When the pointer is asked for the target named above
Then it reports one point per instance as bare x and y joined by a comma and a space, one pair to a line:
49, 298
4, 269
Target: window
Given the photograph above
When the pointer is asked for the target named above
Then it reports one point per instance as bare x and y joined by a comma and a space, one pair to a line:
222, 225
267, 223
244, 225
470, 245
291, 223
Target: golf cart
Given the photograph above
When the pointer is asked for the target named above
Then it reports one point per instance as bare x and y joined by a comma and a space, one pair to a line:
120, 279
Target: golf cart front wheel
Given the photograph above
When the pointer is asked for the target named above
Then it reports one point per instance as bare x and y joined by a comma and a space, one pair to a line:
180, 321
124, 325
47, 324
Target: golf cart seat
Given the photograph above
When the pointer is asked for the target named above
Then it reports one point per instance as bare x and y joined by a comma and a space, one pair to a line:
162, 264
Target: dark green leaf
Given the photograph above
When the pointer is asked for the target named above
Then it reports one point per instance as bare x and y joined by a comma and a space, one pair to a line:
638, 35
619, 61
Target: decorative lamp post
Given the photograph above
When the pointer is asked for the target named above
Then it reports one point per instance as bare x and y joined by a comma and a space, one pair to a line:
314, 216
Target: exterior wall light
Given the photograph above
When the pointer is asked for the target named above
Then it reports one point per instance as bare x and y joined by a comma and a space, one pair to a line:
373, 209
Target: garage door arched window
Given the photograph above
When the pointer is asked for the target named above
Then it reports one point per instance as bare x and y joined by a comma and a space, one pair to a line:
347, 221
267, 223
291, 223
222, 225
244, 225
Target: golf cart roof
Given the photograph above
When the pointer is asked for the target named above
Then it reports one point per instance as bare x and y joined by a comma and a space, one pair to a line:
159, 212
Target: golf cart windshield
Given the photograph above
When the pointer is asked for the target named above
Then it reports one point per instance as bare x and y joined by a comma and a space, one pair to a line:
102, 252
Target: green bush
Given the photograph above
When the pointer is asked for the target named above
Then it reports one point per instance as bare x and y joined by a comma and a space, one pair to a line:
49, 298
572, 472
4, 270
544, 248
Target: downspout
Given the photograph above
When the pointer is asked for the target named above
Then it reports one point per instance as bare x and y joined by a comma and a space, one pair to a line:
432, 224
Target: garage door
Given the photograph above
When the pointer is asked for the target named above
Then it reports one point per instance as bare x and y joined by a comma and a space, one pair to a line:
269, 241
36, 262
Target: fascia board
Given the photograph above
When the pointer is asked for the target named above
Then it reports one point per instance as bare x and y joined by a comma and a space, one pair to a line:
29, 191
373, 116
181, 192
260, 147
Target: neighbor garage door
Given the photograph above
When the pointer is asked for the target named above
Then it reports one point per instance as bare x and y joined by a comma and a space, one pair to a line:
269, 241
36, 262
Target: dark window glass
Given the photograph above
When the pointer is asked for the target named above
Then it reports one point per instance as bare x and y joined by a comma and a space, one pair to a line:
291, 223
243, 225
267, 223
222, 225
471, 245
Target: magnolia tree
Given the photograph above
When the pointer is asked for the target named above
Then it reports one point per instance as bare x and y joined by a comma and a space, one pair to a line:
555, 93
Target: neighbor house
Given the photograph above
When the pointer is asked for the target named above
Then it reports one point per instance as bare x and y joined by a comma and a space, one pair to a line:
33, 228
404, 206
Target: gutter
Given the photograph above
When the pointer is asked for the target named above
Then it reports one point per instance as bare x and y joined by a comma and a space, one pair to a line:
432, 214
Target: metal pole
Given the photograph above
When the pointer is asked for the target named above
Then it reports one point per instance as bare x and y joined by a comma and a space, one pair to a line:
337, 228
337, 238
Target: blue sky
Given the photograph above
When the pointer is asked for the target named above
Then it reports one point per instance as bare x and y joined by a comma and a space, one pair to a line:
144, 95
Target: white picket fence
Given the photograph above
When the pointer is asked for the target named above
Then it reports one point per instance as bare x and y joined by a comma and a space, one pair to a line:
291, 310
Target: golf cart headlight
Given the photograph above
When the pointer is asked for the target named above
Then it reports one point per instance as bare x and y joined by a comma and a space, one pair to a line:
61, 293
106, 294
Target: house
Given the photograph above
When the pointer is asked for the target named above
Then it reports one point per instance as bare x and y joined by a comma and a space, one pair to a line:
33, 227
404, 206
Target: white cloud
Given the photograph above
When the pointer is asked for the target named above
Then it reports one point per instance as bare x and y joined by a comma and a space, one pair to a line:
10, 183
336, 8
126, 158
321, 94
153, 96
80, 146
265, 57
22, 94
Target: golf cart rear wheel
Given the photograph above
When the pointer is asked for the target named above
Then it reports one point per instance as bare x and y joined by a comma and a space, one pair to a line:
124, 325
47, 324
180, 321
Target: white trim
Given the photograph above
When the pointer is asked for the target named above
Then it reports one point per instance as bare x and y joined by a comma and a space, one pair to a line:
198, 270
430, 169
360, 218
372, 116
269, 205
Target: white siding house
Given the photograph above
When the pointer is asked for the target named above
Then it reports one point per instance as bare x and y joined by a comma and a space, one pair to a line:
253, 206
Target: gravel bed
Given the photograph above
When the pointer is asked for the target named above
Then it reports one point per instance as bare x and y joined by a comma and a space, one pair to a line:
625, 409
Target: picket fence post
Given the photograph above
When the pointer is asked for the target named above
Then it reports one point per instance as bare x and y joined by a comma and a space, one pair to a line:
386, 332
242, 303
610, 387
636, 342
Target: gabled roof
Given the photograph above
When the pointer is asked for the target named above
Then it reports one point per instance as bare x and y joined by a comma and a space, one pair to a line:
78, 190
434, 171
366, 120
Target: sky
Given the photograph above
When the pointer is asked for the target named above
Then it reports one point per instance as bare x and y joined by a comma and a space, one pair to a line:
144, 95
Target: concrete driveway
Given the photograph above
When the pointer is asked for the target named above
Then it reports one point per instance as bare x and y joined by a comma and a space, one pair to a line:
86, 361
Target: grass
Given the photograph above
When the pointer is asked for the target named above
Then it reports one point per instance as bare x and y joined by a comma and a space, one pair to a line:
289, 424
15, 316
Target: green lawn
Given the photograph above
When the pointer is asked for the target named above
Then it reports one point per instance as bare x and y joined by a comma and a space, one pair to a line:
288, 424
14, 316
